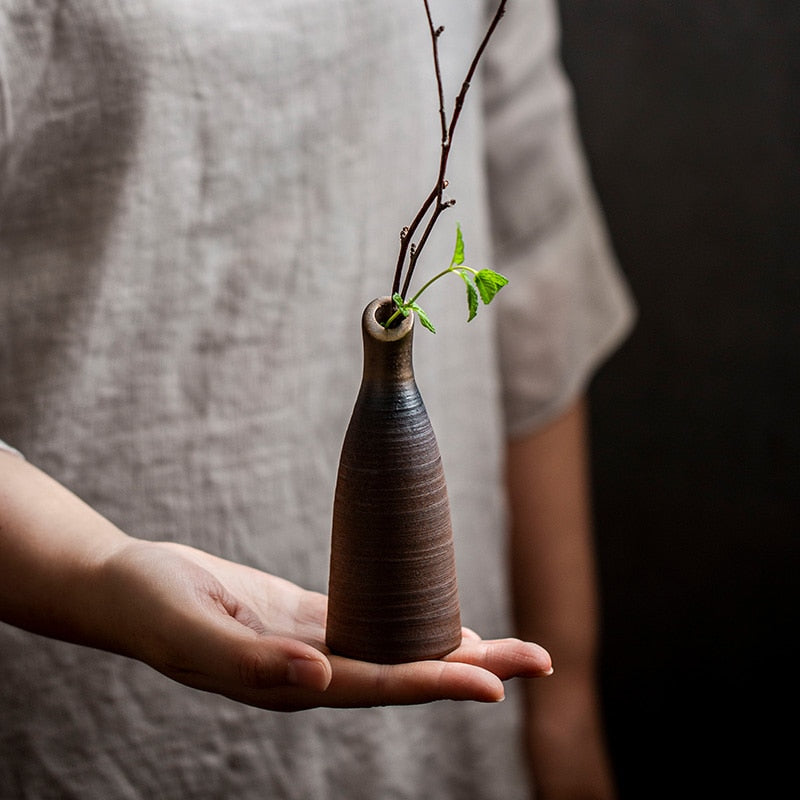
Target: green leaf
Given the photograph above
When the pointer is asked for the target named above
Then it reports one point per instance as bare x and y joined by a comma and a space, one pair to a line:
472, 295
458, 253
489, 284
423, 317
401, 304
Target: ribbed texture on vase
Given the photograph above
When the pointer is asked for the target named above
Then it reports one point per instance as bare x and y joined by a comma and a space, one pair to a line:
393, 595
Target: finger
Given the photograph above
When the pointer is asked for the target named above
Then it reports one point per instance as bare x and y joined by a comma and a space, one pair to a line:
365, 684
475, 671
505, 658
358, 684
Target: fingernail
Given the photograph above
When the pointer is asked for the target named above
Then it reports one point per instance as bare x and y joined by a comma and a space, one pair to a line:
307, 672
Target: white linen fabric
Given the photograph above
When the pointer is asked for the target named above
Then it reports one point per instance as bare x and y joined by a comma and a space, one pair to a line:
197, 199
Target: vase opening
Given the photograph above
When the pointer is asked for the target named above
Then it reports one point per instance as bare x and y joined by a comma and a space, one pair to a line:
377, 313
384, 311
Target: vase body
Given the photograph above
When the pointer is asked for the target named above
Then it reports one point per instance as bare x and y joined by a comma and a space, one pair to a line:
392, 594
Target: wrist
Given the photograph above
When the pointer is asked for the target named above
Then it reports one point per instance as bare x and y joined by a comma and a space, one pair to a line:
52, 550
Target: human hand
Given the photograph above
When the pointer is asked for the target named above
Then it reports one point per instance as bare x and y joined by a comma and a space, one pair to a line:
226, 628
67, 572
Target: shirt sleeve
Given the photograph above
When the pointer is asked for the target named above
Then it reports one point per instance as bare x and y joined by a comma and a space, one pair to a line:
7, 448
567, 306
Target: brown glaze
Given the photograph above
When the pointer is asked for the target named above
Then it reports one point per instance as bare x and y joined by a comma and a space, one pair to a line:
392, 591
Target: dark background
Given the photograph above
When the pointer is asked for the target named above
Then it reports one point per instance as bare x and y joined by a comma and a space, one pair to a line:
690, 113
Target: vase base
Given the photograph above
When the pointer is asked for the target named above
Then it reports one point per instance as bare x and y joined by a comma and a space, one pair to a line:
392, 653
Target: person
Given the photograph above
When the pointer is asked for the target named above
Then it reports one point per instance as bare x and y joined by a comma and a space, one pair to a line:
197, 201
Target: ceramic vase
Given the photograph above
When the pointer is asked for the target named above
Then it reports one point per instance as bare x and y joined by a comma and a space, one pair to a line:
392, 594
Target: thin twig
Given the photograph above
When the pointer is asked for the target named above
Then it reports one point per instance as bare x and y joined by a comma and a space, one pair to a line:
435, 34
435, 198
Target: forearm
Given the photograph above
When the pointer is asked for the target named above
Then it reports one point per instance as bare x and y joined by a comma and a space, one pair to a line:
552, 554
52, 548
555, 601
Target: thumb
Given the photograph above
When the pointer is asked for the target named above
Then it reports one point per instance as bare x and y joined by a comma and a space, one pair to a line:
234, 660
263, 661
269, 661
221, 654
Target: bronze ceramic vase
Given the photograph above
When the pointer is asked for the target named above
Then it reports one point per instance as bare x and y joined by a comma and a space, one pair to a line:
392, 594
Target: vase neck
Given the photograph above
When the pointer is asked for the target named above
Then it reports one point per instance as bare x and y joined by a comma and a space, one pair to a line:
387, 352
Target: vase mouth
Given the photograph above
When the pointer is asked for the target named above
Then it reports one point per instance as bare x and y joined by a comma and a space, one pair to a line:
377, 312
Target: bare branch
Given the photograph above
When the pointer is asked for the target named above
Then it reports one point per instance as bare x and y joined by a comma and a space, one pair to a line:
435, 199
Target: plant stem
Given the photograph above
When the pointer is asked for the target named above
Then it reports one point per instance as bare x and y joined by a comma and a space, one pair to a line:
432, 280
388, 323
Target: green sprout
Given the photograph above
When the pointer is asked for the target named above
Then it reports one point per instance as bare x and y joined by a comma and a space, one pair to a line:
480, 283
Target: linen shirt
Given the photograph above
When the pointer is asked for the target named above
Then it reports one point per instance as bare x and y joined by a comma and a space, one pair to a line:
197, 199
